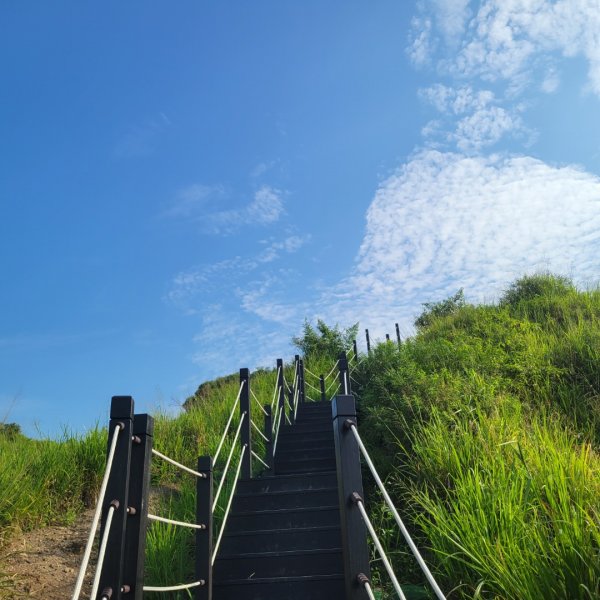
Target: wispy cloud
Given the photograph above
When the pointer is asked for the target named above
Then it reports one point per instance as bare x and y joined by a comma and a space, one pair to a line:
445, 221
141, 139
201, 204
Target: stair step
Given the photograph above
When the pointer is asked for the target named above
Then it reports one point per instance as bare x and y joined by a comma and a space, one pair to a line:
282, 540
283, 519
305, 452
284, 499
292, 435
304, 428
317, 587
278, 564
288, 482
302, 465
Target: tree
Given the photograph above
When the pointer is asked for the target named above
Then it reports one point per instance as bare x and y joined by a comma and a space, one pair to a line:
324, 340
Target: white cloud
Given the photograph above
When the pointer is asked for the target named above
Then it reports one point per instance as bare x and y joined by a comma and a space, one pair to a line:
485, 127
505, 39
446, 221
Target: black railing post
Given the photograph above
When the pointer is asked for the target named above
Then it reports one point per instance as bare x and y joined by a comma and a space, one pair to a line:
322, 383
355, 348
301, 381
354, 531
387, 337
368, 341
269, 436
344, 374
204, 537
398, 335
117, 494
290, 397
137, 505
245, 437
281, 398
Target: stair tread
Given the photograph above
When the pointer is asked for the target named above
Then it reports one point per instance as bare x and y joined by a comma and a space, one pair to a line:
281, 553
285, 492
292, 578
280, 531
271, 511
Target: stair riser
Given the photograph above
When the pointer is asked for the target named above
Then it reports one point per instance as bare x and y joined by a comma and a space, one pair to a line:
303, 499
284, 541
304, 453
293, 590
320, 438
278, 484
308, 428
283, 520
277, 566
304, 466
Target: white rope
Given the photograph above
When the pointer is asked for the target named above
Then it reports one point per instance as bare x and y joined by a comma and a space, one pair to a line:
173, 588
258, 401
287, 418
173, 522
413, 547
296, 397
369, 591
277, 388
331, 385
231, 451
313, 387
102, 552
228, 423
335, 393
296, 371
278, 427
275, 419
97, 514
311, 373
309, 398
183, 467
386, 562
237, 474
259, 459
332, 369
264, 437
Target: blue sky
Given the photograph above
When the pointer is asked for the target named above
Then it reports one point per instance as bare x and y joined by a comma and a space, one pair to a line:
183, 184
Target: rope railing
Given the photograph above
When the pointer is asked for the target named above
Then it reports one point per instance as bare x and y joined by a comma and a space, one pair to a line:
97, 514
382, 554
275, 394
174, 522
103, 543
178, 464
312, 387
228, 508
257, 429
262, 408
388, 500
216, 456
337, 389
332, 369
173, 588
259, 459
331, 385
225, 469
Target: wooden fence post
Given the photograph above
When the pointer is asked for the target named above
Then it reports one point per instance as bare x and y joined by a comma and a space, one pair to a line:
398, 335
301, 381
368, 341
354, 531
269, 436
204, 537
245, 437
281, 394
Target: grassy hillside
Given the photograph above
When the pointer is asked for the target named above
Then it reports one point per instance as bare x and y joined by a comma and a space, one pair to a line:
486, 425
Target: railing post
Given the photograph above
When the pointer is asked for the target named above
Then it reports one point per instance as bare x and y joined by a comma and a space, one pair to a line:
354, 531
291, 405
301, 381
281, 398
368, 341
245, 437
137, 505
355, 348
269, 436
398, 335
322, 383
387, 337
344, 374
117, 491
204, 537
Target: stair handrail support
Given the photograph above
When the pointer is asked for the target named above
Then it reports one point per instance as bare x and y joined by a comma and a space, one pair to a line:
281, 392
354, 533
204, 537
246, 433
302, 396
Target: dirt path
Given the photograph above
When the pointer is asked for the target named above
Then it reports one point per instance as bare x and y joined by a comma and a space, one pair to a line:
44, 563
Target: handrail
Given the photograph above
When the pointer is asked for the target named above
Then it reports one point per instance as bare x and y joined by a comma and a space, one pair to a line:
275, 394
264, 437
177, 464
259, 459
384, 558
174, 522
407, 537
97, 514
173, 588
228, 423
332, 369
102, 552
237, 475
231, 451
312, 386
257, 401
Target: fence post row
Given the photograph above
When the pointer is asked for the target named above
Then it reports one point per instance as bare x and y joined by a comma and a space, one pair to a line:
204, 537
281, 399
127, 491
368, 341
354, 532
246, 438
344, 374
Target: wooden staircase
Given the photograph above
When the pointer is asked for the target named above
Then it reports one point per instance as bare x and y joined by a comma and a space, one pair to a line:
283, 538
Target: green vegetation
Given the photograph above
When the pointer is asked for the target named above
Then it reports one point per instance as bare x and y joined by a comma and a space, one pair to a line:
485, 424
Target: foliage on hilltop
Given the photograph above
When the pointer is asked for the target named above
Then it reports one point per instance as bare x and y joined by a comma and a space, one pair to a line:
322, 341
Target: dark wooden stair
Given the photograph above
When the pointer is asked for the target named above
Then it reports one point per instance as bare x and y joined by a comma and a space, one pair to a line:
282, 540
